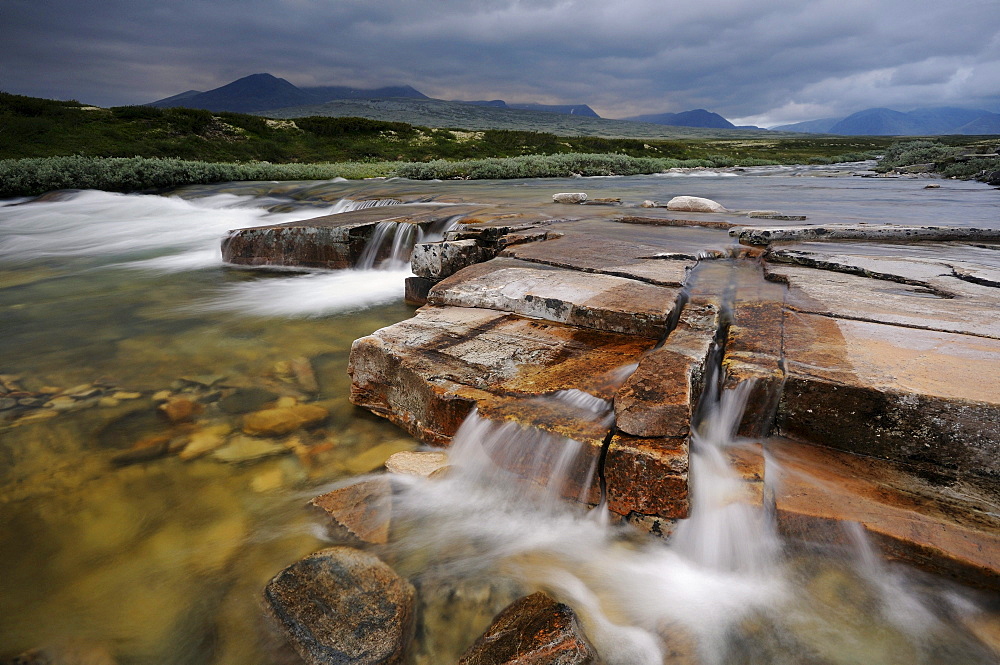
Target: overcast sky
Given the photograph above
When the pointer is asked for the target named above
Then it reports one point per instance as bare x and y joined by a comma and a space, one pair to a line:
762, 62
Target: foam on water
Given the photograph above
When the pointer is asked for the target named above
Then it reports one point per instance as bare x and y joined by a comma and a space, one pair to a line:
310, 295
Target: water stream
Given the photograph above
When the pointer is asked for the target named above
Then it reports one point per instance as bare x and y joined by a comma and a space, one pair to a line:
163, 561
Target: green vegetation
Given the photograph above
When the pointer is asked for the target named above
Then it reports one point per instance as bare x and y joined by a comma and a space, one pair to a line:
46, 145
952, 161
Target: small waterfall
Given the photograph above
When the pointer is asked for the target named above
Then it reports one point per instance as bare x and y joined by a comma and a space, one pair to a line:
389, 246
348, 205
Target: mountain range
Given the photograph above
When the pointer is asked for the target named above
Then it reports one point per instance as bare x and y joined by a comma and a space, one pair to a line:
887, 122
266, 93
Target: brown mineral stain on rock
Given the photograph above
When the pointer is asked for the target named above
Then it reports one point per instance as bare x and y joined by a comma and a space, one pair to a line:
536, 630
947, 529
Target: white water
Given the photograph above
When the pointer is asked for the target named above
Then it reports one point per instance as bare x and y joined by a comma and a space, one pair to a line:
160, 235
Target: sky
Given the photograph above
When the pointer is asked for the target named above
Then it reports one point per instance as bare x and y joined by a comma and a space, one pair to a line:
760, 62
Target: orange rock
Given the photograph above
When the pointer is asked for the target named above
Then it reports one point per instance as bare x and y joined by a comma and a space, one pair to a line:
180, 409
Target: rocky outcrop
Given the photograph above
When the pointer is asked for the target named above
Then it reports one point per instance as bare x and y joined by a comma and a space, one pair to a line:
534, 630
342, 606
333, 241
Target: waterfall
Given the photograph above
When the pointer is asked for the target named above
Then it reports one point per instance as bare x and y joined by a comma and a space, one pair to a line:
389, 246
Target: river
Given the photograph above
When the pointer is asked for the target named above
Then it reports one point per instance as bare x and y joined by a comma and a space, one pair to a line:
106, 559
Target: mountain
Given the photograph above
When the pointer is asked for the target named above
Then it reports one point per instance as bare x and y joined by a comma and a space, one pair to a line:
454, 115
933, 121
569, 109
257, 92
695, 118
821, 126
264, 92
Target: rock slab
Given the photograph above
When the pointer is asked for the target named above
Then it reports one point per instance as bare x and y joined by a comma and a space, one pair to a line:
342, 606
535, 630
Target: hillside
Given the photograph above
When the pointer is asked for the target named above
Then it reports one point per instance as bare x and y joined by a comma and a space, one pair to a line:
695, 118
260, 92
936, 121
444, 114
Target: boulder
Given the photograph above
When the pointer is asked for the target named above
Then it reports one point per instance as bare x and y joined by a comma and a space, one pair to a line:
569, 197
535, 630
278, 421
342, 606
694, 204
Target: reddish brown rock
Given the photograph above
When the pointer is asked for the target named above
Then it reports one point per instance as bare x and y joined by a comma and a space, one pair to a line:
363, 508
344, 606
180, 409
937, 523
647, 476
891, 392
427, 373
535, 630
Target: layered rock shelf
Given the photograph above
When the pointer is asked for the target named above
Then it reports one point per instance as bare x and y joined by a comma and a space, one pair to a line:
873, 352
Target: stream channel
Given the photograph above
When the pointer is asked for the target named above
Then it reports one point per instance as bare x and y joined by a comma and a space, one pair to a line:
106, 558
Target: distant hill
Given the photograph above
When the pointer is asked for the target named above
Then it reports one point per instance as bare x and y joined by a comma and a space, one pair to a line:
569, 109
262, 92
464, 115
887, 122
695, 118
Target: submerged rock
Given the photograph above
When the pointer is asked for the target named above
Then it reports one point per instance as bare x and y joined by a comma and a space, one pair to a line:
535, 630
363, 508
342, 606
416, 463
278, 421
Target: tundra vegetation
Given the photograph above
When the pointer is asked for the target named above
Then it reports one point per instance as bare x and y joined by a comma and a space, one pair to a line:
47, 145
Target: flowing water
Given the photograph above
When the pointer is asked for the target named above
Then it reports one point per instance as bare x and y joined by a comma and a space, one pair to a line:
109, 559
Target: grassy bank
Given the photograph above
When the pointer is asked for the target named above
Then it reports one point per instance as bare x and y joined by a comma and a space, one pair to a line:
47, 145
976, 160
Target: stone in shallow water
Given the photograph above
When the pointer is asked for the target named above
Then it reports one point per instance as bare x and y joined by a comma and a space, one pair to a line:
569, 197
247, 449
416, 463
273, 422
694, 204
534, 630
245, 400
343, 606
363, 508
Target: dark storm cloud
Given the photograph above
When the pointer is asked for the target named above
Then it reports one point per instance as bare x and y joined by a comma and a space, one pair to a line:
761, 62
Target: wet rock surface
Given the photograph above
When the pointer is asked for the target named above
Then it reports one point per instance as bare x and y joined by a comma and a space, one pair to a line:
343, 606
862, 346
331, 242
535, 629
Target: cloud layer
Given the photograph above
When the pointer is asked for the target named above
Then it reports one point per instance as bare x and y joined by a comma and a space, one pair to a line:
753, 62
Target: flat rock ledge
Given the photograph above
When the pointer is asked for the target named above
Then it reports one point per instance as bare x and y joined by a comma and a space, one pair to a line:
871, 352
768, 235
342, 606
331, 242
